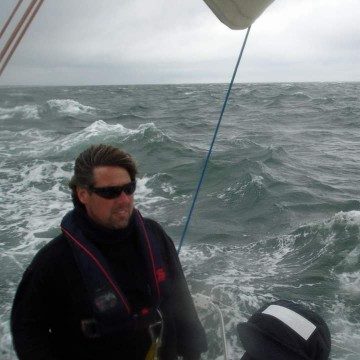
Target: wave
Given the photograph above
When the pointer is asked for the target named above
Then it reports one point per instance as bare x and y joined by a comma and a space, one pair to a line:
125, 116
299, 95
324, 100
21, 96
69, 107
35, 143
244, 143
290, 86
24, 112
304, 260
280, 99
146, 131
332, 246
139, 107
101, 132
350, 281
26, 143
36, 197
97, 132
247, 191
147, 200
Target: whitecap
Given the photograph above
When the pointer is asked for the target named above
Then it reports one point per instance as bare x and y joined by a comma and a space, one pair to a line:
97, 132
350, 282
349, 218
69, 106
146, 201
345, 331
36, 198
6, 347
36, 143
25, 143
24, 112
240, 189
168, 188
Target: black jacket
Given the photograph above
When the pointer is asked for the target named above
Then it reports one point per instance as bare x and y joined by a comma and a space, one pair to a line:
51, 301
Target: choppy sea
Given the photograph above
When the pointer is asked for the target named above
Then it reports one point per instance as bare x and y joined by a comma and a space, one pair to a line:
278, 215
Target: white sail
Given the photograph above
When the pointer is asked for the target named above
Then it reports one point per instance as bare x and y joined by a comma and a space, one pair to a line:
238, 14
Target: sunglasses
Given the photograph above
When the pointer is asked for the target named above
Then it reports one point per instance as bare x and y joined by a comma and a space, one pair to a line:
112, 192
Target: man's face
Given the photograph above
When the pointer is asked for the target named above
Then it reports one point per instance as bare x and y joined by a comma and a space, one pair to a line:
110, 213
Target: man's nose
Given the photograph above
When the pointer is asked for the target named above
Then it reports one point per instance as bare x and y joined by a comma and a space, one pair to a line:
123, 197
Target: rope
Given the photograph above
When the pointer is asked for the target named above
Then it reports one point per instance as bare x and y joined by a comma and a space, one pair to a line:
212, 143
17, 29
26, 19
10, 18
205, 302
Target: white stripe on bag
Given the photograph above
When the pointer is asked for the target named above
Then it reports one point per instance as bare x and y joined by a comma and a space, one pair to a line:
292, 319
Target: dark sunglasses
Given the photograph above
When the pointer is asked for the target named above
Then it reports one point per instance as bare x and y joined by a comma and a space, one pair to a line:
112, 192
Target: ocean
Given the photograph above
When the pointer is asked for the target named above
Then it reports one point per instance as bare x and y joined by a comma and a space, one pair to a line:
277, 217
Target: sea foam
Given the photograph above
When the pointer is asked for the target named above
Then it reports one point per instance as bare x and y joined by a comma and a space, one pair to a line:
22, 112
69, 106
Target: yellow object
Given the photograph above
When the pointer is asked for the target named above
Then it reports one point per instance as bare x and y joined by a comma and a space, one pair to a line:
156, 338
153, 352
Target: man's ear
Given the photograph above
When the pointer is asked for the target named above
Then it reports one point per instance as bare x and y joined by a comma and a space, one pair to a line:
83, 195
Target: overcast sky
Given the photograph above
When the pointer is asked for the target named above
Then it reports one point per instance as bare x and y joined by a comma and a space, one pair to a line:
93, 42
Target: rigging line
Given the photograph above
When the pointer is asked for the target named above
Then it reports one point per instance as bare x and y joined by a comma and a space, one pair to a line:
17, 29
10, 18
212, 143
35, 10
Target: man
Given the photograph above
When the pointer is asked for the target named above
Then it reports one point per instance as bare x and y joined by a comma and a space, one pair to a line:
111, 285
283, 330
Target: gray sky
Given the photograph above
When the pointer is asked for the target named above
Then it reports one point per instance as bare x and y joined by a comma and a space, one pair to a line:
90, 42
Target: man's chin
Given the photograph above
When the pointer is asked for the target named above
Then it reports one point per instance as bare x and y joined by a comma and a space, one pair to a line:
119, 226
120, 222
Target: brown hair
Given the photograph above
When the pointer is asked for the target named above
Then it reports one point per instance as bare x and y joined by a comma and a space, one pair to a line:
98, 155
